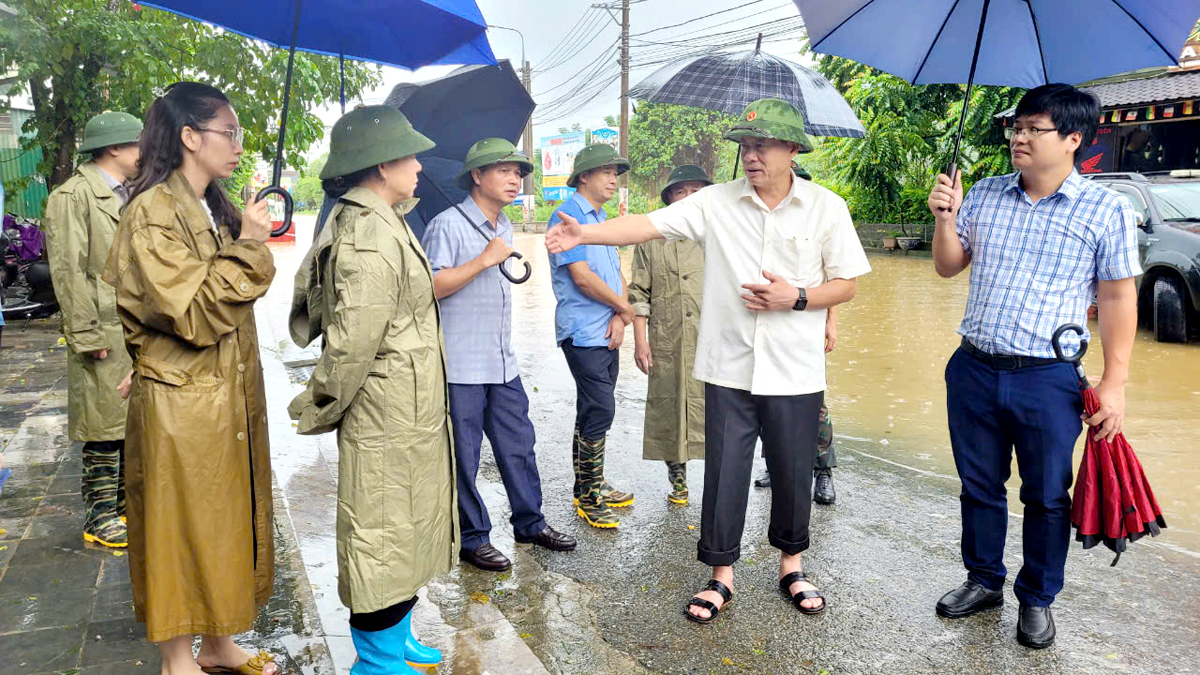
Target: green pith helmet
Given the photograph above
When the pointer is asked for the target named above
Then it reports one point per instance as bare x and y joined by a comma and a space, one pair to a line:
491, 151
682, 174
774, 119
110, 128
595, 156
371, 135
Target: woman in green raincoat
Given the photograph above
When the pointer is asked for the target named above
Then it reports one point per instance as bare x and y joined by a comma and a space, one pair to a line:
668, 281
367, 289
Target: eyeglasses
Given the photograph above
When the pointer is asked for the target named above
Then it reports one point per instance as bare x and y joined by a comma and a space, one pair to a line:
235, 135
1032, 132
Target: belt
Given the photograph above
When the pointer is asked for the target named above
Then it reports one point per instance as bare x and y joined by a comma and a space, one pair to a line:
1005, 361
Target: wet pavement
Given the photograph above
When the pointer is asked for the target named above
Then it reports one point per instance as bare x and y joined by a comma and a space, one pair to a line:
66, 606
883, 555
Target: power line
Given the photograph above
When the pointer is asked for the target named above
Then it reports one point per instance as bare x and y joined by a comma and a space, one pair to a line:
569, 34
699, 18
568, 56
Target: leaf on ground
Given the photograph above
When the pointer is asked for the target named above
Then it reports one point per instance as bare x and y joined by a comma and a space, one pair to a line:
480, 598
3, 548
62, 341
118, 554
726, 661
526, 636
692, 527
1112, 655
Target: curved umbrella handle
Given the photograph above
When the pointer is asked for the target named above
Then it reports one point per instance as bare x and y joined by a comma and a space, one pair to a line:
1058, 351
510, 277
287, 207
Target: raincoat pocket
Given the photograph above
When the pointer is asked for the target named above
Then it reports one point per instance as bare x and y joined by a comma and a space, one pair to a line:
175, 378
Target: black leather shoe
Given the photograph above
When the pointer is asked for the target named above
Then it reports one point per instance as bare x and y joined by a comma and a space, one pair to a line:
968, 599
551, 539
1035, 627
823, 491
486, 558
763, 481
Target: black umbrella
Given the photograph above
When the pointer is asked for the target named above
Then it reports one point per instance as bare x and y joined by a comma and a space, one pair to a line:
455, 111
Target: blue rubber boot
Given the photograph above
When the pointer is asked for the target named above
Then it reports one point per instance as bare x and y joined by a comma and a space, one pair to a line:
416, 653
380, 652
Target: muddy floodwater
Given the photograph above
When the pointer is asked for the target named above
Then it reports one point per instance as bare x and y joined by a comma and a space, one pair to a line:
887, 389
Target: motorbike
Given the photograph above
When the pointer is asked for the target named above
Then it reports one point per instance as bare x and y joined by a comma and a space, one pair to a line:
25, 285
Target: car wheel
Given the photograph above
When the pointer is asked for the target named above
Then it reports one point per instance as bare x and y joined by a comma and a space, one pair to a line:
1170, 314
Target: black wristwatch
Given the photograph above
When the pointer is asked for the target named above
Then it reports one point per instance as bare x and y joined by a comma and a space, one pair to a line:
801, 302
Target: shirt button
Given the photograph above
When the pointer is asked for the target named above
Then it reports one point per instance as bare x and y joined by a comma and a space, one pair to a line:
241, 436
244, 287
686, 276
241, 367
688, 314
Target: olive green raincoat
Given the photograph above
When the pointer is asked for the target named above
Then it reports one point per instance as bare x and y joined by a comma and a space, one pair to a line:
381, 383
198, 464
667, 285
81, 219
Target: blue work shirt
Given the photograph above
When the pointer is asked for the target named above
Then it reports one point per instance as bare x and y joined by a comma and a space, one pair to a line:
476, 319
578, 317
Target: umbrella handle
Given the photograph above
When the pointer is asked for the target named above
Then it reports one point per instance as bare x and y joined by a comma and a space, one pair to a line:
951, 169
510, 277
1058, 350
287, 207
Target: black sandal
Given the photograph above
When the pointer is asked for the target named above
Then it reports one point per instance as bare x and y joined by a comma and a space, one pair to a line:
785, 585
712, 585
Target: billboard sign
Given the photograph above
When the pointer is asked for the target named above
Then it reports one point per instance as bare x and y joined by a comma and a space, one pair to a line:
558, 158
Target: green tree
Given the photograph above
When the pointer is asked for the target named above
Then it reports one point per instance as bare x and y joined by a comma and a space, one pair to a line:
77, 58
308, 193
612, 121
662, 136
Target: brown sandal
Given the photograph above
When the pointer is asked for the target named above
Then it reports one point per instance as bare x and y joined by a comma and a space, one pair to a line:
255, 666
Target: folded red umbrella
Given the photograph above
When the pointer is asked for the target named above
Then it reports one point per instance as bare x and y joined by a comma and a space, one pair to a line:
1113, 503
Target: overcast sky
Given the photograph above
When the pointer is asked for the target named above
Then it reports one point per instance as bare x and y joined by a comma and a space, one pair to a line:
544, 23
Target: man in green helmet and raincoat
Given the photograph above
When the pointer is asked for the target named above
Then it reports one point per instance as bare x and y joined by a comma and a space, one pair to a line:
81, 219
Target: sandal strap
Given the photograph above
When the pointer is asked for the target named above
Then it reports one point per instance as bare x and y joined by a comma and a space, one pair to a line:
704, 604
786, 582
720, 588
800, 597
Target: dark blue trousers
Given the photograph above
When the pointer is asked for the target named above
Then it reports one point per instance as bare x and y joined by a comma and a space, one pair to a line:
501, 411
991, 411
595, 370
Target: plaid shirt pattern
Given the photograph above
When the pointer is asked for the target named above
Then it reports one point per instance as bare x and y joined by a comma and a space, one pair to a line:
1035, 267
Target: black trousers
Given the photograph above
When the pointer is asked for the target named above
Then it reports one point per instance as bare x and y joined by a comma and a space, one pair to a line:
734, 420
383, 619
595, 371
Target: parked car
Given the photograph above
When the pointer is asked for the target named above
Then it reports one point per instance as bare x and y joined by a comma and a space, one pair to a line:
1167, 208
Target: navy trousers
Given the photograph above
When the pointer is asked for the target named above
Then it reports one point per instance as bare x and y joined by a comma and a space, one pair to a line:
991, 411
595, 370
501, 411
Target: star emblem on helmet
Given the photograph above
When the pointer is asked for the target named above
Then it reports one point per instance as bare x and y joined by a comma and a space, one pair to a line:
750, 116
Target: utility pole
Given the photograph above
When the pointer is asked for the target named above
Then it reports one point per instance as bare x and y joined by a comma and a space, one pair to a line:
624, 137
527, 149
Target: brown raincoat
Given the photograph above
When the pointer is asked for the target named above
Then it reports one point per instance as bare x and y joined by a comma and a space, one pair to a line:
667, 285
81, 219
381, 383
198, 464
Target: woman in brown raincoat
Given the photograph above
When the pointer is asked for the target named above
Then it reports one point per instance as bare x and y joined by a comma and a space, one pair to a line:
367, 289
668, 281
188, 267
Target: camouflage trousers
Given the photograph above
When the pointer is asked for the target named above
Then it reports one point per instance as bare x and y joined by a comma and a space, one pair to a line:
826, 457
103, 490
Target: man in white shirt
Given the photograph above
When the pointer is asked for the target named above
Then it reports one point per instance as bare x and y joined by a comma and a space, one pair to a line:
761, 347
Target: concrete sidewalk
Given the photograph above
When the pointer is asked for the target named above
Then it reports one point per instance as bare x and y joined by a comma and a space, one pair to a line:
66, 606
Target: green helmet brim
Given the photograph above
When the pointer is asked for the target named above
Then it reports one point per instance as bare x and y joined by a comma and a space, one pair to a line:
466, 182
775, 132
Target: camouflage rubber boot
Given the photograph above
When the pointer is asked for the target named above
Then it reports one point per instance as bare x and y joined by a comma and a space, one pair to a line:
677, 473
101, 470
592, 507
121, 483
611, 496
575, 462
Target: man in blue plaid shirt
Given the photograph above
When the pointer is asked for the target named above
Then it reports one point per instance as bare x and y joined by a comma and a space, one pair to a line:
1041, 244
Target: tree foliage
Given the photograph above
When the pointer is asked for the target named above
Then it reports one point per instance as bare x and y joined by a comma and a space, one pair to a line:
910, 131
77, 58
307, 192
663, 136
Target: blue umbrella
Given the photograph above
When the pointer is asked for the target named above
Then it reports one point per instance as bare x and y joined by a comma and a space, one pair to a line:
1015, 43
405, 33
